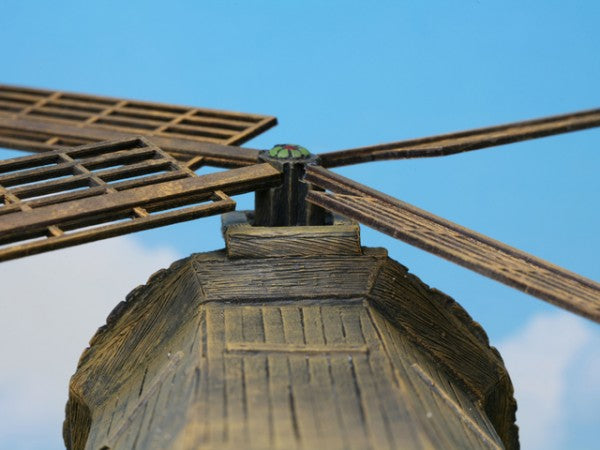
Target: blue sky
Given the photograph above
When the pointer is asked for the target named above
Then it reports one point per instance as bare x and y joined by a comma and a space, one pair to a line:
344, 74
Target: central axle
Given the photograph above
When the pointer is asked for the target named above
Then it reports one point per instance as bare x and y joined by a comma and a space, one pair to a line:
286, 205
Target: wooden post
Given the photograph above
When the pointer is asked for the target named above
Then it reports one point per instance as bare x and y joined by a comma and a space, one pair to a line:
286, 205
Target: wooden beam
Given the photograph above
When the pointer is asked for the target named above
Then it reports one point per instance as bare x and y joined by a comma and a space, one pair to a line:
441, 237
449, 144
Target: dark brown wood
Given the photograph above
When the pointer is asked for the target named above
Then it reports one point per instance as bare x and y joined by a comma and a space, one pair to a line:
72, 196
51, 135
455, 243
41, 120
289, 352
54, 242
286, 205
452, 143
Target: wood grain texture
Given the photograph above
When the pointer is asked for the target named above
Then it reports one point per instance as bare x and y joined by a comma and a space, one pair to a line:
302, 352
288, 278
41, 120
246, 241
463, 141
71, 196
454, 340
468, 248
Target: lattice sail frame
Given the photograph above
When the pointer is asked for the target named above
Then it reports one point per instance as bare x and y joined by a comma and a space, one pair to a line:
74, 195
40, 120
458, 244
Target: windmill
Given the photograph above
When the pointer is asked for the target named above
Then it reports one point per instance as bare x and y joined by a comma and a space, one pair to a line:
108, 167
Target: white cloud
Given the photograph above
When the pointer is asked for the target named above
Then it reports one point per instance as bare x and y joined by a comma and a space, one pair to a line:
552, 361
50, 306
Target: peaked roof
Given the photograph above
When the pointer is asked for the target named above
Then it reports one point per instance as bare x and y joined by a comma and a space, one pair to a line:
327, 350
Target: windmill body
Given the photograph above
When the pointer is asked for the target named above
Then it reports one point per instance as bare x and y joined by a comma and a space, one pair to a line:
291, 337
294, 322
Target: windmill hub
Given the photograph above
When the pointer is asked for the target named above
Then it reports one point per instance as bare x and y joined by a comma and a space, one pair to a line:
286, 205
289, 151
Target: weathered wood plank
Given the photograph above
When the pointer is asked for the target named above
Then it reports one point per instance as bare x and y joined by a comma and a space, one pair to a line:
400, 424
283, 415
237, 407
260, 412
216, 412
333, 276
246, 241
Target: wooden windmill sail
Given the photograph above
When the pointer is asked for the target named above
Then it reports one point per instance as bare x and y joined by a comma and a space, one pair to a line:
294, 334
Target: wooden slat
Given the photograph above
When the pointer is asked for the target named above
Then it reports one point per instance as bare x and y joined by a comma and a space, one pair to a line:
130, 122
54, 199
131, 170
23, 97
226, 124
60, 113
214, 154
7, 140
458, 244
35, 174
11, 105
200, 130
97, 156
117, 229
30, 119
149, 180
207, 135
48, 187
75, 105
449, 144
250, 132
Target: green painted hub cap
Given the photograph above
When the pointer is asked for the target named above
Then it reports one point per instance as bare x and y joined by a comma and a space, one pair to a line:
288, 151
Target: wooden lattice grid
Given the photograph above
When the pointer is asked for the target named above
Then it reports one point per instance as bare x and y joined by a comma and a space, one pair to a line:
46, 120
74, 195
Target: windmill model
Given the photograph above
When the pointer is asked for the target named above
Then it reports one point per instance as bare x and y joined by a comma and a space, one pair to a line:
294, 336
